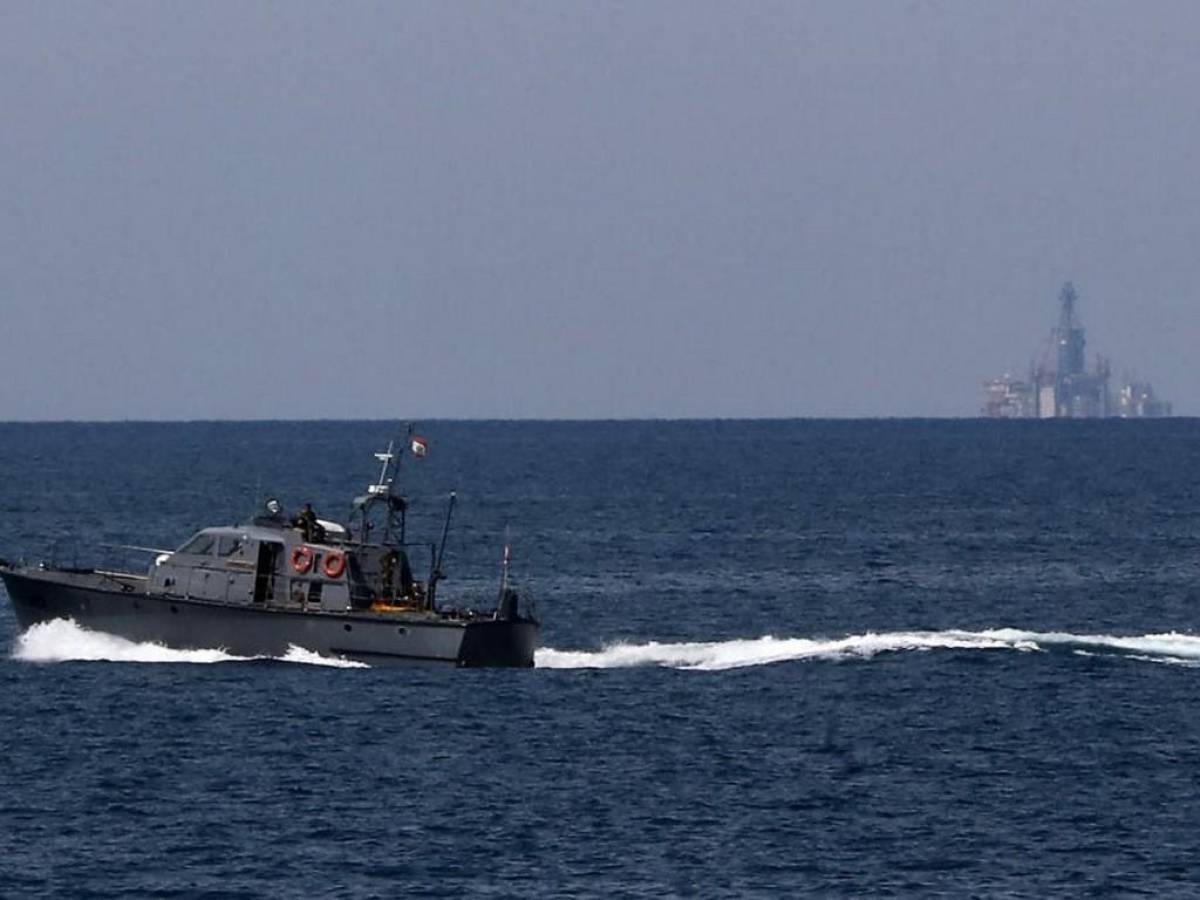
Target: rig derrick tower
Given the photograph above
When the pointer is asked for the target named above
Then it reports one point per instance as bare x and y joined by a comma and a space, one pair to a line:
1060, 385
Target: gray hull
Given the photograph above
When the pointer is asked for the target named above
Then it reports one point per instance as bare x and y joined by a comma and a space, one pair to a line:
117, 604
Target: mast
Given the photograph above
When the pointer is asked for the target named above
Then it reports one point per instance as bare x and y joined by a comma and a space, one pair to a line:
437, 575
395, 505
505, 561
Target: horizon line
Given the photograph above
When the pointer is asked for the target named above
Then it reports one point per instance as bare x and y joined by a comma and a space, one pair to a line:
563, 419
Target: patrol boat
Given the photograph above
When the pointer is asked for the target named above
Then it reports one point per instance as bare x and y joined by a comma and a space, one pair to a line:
277, 582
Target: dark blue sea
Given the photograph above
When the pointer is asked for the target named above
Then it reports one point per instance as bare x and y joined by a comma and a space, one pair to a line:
784, 658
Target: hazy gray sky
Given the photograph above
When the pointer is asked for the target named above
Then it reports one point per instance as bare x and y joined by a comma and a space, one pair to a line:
298, 210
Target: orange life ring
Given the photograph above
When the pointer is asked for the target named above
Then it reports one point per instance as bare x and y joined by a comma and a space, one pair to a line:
302, 558
334, 564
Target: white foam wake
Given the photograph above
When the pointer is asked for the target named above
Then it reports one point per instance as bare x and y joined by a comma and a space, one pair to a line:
312, 658
62, 641
1179, 649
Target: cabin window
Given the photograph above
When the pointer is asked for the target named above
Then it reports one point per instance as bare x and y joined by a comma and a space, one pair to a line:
200, 545
227, 546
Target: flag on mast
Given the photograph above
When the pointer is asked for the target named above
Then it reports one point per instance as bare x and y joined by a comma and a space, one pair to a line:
419, 445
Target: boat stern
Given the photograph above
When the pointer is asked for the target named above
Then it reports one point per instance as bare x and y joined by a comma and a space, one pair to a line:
499, 643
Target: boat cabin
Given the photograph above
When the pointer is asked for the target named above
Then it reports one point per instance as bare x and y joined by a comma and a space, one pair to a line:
272, 565
253, 564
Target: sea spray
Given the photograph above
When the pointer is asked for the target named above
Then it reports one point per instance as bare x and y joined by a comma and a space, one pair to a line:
62, 640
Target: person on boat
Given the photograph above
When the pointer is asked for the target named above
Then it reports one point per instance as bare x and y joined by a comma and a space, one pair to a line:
309, 527
388, 565
387, 575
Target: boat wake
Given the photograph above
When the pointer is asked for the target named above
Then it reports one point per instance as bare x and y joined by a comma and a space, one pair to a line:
1169, 649
64, 641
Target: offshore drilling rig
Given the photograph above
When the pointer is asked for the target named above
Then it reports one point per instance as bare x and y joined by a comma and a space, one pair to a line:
1060, 386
